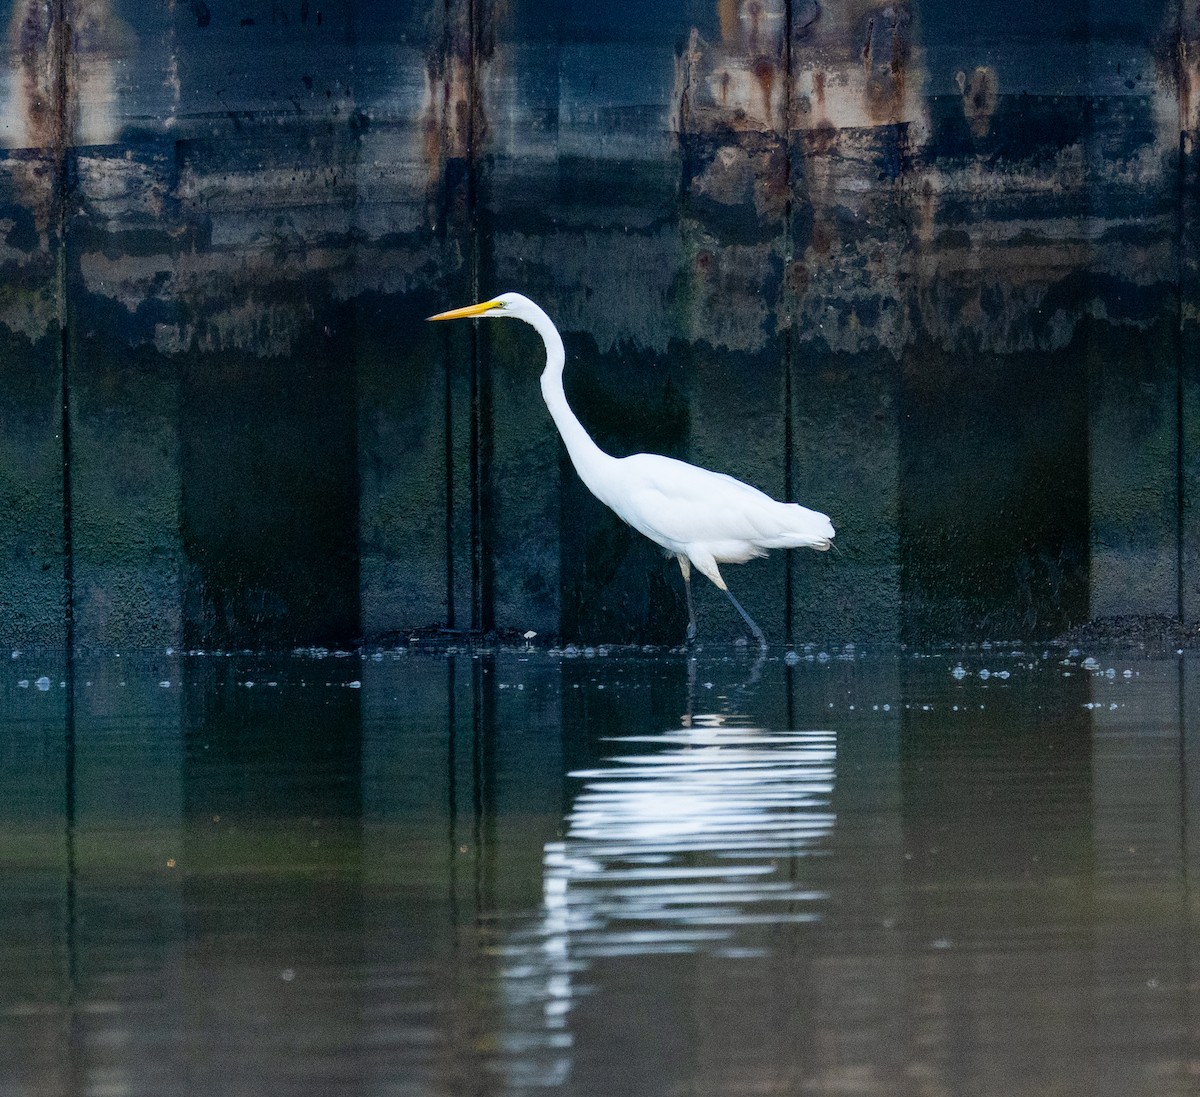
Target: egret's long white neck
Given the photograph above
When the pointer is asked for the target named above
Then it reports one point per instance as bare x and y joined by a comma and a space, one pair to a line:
587, 457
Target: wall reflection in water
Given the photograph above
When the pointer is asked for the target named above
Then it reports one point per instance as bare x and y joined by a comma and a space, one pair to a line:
502, 873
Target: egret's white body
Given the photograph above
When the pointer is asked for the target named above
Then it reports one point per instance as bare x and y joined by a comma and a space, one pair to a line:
701, 517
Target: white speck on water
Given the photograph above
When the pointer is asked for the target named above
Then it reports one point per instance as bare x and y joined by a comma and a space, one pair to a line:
287, 975
958, 672
23, 683
1126, 674
887, 708
165, 684
791, 658
170, 651
1110, 673
985, 674
823, 657
1090, 664
377, 657
529, 634
16, 654
356, 684
249, 685
708, 685
1003, 674
43, 683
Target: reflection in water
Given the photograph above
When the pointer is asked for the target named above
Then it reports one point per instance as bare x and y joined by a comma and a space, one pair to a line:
501, 873
672, 846
690, 837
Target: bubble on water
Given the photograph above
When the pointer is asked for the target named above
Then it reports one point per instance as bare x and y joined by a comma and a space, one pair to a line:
1126, 674
43, 683
356, 684
958, 672
791, 658
23, 683
1090, 664
985, 674
165, 684
1003, 674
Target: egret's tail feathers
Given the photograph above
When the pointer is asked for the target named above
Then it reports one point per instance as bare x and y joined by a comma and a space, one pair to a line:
806, 529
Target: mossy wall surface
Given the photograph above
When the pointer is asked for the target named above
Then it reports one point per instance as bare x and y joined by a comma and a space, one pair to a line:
926, 267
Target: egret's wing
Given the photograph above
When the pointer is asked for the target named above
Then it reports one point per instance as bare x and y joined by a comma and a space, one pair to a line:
674, 501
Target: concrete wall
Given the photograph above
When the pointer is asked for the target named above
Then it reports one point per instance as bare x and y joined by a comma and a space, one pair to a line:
930, 268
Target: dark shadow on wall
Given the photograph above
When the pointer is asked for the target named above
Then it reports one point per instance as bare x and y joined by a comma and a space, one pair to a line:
270, 495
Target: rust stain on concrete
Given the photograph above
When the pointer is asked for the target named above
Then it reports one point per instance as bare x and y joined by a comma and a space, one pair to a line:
453, 121
75, 62
981, 96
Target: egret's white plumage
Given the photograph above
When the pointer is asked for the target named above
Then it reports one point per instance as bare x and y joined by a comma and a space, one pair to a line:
701, 517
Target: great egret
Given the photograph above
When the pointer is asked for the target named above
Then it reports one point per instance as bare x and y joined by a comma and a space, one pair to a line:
700, 517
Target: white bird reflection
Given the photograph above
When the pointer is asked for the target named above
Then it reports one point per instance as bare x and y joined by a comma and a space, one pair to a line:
677, 844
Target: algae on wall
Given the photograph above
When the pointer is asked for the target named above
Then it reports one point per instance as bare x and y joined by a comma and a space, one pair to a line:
930, 273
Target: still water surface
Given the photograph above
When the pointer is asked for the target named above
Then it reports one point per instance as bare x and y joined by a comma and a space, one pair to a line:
417, 873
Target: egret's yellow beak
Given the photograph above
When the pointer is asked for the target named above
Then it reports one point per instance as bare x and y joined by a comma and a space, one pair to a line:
469, 310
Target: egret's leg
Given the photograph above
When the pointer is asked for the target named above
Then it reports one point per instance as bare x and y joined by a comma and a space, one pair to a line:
758, 633
685, 566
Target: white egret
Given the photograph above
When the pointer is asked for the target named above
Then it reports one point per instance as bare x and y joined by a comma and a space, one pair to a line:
702, 518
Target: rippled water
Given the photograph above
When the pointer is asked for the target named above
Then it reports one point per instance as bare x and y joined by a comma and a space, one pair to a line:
420, 873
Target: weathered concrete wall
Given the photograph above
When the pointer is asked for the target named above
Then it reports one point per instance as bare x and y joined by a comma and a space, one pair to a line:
930, 269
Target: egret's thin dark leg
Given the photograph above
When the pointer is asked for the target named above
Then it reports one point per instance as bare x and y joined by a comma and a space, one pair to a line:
758, 633
685, 566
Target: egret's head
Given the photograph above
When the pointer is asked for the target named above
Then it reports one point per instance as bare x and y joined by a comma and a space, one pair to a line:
507, 304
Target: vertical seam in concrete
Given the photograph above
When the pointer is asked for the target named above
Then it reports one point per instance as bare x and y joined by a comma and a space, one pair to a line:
448, 373
59, 47
60, 36
1180, 434
481, 403
474, 424
788, 348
